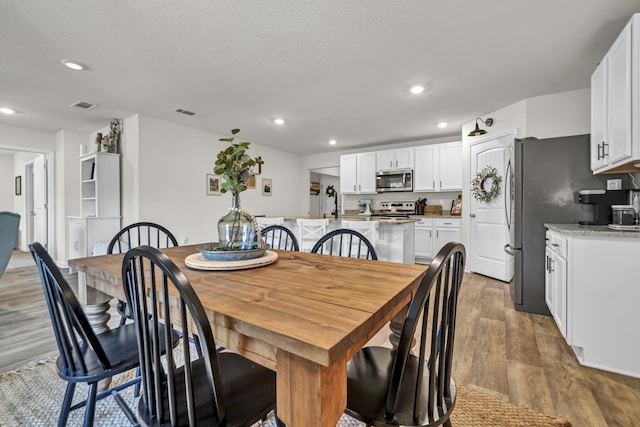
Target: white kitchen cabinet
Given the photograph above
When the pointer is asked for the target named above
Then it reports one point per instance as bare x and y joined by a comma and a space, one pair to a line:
432, 234
424, 239
593, 297
100, 184
401, 158
438, 167
85, 232
615, 104
358, 173
556, 279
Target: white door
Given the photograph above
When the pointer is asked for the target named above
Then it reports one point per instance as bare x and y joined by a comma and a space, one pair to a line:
40, 200
489, 232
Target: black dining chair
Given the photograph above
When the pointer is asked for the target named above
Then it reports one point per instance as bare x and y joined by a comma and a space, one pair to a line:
85, 357
387, 387
138, 234
212, 389
346, 243
280, 237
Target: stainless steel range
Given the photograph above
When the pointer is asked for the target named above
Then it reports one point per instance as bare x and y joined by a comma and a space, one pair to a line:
395, 209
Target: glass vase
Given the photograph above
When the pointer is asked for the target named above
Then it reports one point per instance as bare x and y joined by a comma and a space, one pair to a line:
236, 229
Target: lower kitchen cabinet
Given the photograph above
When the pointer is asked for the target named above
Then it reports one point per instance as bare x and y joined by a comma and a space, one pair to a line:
432, 234
85, 232
556, 279
592, 290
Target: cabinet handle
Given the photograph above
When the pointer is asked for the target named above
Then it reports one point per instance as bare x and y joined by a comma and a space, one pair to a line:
555, 244
447, 223
604, 144
600, 148
430, 236
354, 187
396, 163
472, 215
440, 184
434, 184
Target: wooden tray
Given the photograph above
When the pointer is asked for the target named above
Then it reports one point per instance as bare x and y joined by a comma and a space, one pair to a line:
197, 262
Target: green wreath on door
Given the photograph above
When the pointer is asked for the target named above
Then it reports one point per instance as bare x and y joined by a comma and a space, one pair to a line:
486, 185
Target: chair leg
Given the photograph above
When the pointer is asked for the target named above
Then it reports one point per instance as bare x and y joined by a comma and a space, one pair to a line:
90, 408
66, 404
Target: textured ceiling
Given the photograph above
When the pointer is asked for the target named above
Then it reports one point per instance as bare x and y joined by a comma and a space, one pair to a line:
332, 68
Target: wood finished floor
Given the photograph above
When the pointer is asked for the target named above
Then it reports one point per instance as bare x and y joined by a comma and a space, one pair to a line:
519, 357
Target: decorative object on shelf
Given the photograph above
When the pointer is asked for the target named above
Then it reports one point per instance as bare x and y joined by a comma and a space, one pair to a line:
331, 192
99, 142
213, 185
237, 230
456, 206
486, 184
18, 185
267, 187
477, 131
114, 136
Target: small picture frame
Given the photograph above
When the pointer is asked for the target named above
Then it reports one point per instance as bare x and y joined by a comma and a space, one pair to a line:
18, 185
213, 185
314, 188
251, 182
267, 188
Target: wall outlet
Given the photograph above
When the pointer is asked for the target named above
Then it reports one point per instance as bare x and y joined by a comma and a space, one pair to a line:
614, 184
184, 240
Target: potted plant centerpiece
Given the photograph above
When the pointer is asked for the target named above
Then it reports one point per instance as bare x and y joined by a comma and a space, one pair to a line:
237, 230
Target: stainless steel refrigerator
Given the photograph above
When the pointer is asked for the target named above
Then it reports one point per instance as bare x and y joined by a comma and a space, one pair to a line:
543, 178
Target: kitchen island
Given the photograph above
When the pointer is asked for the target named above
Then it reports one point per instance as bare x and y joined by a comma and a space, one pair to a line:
395, 240
591, 288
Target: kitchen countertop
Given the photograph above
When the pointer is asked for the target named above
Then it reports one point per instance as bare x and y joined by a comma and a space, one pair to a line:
592, 230
359, 218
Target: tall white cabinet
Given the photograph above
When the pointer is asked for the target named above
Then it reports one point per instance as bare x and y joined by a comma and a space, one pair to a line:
100, 204
615, 104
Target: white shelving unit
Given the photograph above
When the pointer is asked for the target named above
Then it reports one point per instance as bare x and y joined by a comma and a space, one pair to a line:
100, 204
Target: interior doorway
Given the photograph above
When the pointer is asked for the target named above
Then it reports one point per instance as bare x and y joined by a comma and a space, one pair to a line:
320, 204
24, 204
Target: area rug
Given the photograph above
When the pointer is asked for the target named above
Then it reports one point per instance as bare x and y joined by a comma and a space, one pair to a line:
31, 396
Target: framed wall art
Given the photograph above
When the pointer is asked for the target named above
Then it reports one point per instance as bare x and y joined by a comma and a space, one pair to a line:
18, 185
266, 187
213, 185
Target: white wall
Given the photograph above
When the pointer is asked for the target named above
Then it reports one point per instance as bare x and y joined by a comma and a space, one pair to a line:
555, 115
6, 182
173, 162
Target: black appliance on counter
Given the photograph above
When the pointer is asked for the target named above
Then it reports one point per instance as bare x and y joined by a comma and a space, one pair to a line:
601, 201
543, 179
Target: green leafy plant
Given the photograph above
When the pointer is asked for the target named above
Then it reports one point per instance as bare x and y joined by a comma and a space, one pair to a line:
235, 165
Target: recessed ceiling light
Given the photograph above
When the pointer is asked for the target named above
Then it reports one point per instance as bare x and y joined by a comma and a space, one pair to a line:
278, 121
443, 125
7, 111
417, 89
333, 142
74, 65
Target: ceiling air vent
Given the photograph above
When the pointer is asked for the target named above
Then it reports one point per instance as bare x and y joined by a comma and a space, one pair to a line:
82, 105
187, 112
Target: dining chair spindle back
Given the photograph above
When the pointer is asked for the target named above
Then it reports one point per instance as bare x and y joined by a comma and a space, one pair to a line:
386, 387
280, 237
346, 243
85, 357
138, 234
188, 388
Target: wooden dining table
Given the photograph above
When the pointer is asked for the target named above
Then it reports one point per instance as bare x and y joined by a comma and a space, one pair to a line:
303, 316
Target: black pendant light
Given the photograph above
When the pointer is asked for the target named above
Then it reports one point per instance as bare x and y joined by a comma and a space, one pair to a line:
477, 131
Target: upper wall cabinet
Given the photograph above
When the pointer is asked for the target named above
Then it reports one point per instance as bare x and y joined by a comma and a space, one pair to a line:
401, 158
358, 173
438, 167
615, 104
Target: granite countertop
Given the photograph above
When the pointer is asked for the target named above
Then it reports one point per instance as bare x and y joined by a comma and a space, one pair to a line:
592, 230
358, 218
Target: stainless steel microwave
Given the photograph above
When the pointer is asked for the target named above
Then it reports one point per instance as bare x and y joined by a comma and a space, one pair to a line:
396, 180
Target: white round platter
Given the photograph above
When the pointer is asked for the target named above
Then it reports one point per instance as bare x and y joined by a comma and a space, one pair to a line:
197, 262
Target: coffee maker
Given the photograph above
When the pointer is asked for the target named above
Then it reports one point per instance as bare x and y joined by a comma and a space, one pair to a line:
602, 201
365, 206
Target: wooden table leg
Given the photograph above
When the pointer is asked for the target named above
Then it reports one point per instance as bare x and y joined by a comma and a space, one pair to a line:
310, 394
96, 308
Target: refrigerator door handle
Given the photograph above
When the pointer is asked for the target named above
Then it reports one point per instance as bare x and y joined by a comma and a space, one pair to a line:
508, 249
507, 194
